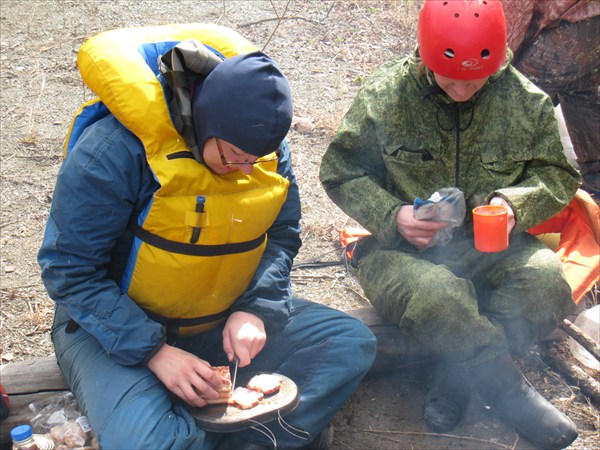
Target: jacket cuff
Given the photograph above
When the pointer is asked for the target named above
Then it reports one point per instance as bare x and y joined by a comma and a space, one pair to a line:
155, 350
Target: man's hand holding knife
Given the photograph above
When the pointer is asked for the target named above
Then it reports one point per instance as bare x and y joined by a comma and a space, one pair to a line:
244, 337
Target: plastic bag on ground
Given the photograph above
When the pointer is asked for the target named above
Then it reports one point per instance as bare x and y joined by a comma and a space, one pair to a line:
59, 417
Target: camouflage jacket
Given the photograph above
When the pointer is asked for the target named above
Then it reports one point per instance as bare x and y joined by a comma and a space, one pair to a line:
404, 138
526, 19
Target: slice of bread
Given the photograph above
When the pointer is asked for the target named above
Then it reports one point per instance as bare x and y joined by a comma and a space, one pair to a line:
225, 391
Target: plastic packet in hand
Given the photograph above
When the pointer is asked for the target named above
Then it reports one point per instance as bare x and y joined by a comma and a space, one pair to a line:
446, 205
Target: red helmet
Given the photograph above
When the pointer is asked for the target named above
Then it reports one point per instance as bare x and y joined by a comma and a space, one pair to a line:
462, 39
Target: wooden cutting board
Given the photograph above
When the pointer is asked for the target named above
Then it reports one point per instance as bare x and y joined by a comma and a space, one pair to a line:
229, 418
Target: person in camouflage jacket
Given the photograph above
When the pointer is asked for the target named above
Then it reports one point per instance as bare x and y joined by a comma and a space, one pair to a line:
424, 123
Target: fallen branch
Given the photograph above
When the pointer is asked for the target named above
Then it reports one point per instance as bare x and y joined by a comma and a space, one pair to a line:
576, 375
278, 22
296, 276
583, 339
354, 291
316, 264
257, 22
383, 433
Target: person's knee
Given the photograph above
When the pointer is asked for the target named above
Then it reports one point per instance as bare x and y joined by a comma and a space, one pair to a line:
394, 288
366, 344
444, 313
353, 341
149, 420
441, 305
359, 346
359, 341
544, 271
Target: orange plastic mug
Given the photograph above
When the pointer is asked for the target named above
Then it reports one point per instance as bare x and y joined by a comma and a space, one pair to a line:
490, 224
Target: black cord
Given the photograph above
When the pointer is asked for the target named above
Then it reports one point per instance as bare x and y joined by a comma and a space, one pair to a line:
317, 263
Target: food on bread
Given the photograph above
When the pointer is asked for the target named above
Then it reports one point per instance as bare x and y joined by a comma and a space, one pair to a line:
69, 434
225, 391
245, 398
267, 383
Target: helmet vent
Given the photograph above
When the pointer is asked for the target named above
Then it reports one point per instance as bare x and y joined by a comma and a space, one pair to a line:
485, 53
449, 53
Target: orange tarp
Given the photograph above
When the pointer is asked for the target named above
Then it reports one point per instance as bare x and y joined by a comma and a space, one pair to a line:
578, 229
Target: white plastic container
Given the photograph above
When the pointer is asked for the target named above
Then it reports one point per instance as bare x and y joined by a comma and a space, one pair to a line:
589, 322
24, 439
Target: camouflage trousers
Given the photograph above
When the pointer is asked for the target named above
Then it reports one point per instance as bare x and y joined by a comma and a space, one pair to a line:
465, 306
564, 61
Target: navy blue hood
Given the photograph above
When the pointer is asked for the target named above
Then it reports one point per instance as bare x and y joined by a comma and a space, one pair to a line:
246, 100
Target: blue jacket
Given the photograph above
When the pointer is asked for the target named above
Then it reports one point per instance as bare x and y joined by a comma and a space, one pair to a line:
102, 184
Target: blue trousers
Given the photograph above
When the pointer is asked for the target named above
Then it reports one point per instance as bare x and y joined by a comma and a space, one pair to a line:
324, 351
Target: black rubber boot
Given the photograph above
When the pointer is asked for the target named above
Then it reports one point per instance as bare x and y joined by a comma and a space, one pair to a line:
446, 399
510, 395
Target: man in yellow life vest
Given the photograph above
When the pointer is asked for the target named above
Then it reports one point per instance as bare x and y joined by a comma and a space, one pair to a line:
169, 245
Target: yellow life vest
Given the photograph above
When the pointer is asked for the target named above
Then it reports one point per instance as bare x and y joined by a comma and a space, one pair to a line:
200, 239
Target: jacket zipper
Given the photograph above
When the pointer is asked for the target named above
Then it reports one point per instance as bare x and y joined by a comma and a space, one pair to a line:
457, 152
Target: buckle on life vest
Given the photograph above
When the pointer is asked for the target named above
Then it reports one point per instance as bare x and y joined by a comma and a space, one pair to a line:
177, 326
193, 249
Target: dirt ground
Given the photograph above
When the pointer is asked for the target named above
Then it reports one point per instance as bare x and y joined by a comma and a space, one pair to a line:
327, 49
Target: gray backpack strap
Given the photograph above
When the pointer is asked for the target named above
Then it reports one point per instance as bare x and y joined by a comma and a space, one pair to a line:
186, 64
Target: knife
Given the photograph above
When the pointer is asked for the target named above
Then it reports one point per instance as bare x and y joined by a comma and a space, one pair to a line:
237, 360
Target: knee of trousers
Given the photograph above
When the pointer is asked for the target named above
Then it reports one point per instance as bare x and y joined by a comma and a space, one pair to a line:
360, 343
545, 265
426, 290
547, 288
147, 420
336, 336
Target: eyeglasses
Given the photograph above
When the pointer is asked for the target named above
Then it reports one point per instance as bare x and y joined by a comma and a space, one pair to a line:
243, 163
